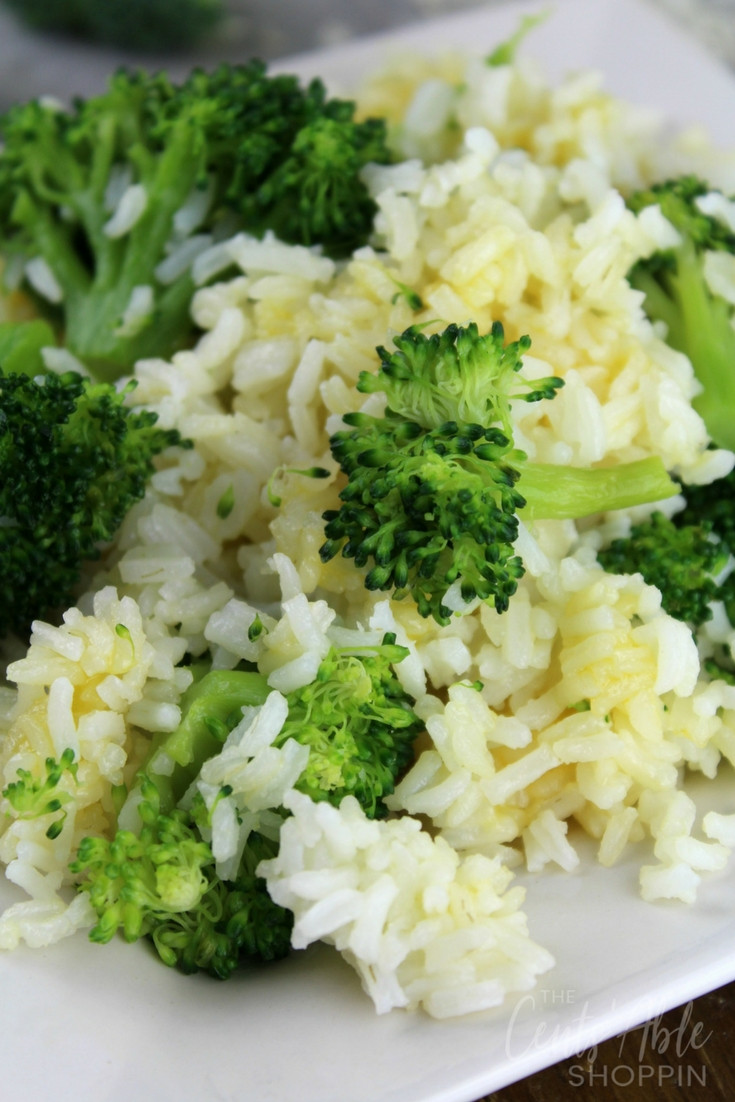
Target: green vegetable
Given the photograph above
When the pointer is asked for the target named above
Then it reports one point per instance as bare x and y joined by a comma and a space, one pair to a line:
355, 718
688, 559
33, 797
713, 505
698, 322
358, 724
73, 459
434, 487
21, 345
111, 200
210, 708
412, 298
160, 881
682, 561
160, 25
505, 53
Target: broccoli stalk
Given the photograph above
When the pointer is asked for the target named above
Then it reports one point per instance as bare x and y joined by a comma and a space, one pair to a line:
104, 207
74, 459
22, 345
160, 880
434, 487
698, 321
210, 707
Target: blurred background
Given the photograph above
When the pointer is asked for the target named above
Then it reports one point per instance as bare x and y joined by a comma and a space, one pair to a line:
34, 62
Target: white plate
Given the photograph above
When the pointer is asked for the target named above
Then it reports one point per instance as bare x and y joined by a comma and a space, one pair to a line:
79, 1022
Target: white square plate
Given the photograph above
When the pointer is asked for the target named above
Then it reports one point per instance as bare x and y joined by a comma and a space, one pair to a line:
80, 1022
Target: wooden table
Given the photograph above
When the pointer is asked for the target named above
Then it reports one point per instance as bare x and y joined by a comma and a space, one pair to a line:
686, 1055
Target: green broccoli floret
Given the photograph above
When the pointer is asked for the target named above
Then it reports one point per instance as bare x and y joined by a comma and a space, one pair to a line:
161, 883
33, 797
160, 880
104, 207
712, 504
160, 25
688, 558
358, 724
698, 321
355, 717
73, 460
682, 561
434, 487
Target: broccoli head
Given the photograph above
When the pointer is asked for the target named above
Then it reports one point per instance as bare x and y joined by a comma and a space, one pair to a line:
160, 880
355, 717
698, 321
434, 486
74, 458
681, 560
105, 206
446, 377
359, 726
712, 504
689, 560
161, 883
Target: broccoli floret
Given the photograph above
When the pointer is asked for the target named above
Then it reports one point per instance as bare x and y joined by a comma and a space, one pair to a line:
434, 487
103, 207
355, 718
73, 458
688, 559
34, 797
314, 196
358, 724
698, 321
161, 883
682, 561
712, 504
160, 25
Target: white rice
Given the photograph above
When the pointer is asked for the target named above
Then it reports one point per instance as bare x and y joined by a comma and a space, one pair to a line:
42, 280
130, 208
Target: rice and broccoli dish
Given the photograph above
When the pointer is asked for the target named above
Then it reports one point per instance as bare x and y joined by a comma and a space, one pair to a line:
366, 514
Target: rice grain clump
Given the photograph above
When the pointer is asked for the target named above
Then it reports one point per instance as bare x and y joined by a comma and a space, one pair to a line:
581, 708
421, 925
91, 689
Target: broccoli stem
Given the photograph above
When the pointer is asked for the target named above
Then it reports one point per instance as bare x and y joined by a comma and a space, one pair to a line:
568, 493
702, 328
93, 316
209, 702
698, 319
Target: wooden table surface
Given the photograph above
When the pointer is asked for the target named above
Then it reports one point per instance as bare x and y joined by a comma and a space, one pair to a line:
686, 1055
